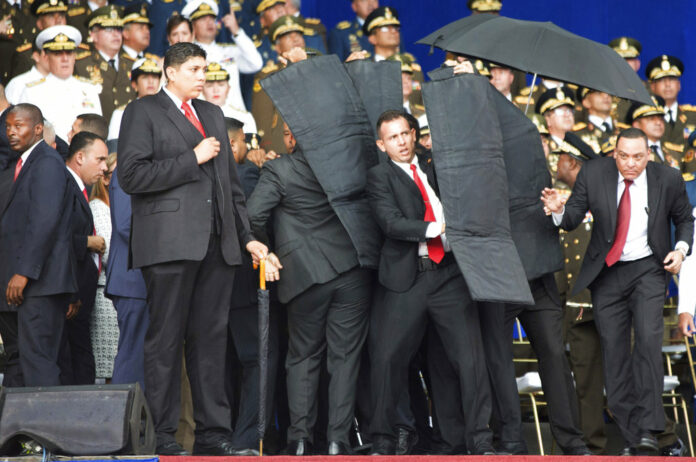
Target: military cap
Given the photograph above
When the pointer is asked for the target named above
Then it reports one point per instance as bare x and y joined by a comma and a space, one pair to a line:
253, 141
382, 16
608, 146
582, 92
196, 9
626, 47
48, 6
638, 110
405, 60
664, 66
106, 16
214, 73
266, 4
59, 38
576, 148
555, 98
137, 14
482, 67
144, 66
423, 123
284, 25
485, 6
539, 122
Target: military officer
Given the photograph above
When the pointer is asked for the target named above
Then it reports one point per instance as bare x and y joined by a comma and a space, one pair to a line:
664, 74
216, 89
315, 31
268, 11
556, 105
40, 69
105, 63
406, 62
17, 28
240, 57
60, 95
596, 123
348, 36
629, 49
383, 29
581, 333
536, 91
136, 31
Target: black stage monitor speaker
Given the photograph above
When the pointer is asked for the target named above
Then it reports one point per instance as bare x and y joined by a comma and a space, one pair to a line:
77, 420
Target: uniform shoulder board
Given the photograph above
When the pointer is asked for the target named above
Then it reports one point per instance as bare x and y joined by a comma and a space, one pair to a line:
127, 56
312, 20
674, 146
310, 32
152, 56
257, 43
23, 48
269, 67
343, 25
579, 126
83, 46
83, 55
416, 67
527, 90
36, 82
84, 80
76, 11
688, 176
622, 125
522, 99
419, 107
688, 107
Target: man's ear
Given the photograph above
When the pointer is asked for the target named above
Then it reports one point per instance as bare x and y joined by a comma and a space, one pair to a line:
380, 145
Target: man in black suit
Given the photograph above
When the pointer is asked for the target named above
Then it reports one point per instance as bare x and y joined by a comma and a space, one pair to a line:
419, 281
36, 261
188, 230
633, 203
327, 295
86, 163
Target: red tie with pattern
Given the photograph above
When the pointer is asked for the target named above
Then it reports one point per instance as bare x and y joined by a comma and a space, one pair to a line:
94, 232
435, 249
18, 167
188, 112
623, 218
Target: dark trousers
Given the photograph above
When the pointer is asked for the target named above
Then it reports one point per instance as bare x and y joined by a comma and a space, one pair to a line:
632, 295
397, 326
543, 324
132, 318
12, 375
76, 357
331, 317
188, 304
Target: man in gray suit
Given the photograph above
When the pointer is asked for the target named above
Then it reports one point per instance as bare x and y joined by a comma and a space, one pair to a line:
189, 225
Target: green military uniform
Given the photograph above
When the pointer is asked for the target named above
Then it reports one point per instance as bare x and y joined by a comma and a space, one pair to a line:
91, 65
22, 30
314, 28
78, 16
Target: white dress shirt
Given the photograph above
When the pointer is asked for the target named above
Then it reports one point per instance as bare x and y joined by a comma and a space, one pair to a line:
674, 108
106, 58
687, 283
81, 184
658, 145
25, 156
434, 229
178, 103
132, 53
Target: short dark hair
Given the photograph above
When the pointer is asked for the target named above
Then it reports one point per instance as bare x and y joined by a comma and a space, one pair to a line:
181, 52
30, 110
388, 116
233, 125
413, 123
632, 134
175, 21
94, 123
81, 141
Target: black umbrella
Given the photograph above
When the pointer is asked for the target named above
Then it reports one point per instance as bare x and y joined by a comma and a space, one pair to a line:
442, 37
263, 306
542, 48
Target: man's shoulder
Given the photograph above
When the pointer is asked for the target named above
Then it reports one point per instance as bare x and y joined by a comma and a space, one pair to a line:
379, 172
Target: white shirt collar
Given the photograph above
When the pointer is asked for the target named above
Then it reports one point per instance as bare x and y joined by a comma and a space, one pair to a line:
131, 52
640, 181
177, 101
25, 156
361, 21
406, 166
107, 58
598, 121
79, 181
379, 58
92, 6
11, 2
674, 108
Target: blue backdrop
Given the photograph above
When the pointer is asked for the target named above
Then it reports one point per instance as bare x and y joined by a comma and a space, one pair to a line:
662, 26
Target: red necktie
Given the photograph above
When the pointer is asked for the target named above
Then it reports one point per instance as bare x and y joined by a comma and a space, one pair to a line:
94, 231
18, 167
188, 112
622, 220
435, 249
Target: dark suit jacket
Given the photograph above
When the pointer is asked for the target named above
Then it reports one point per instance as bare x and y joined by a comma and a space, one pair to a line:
310, 240
6, 154
82, 224
35, 231
246, 279
121, 281
399, 209
171, 194
595, 190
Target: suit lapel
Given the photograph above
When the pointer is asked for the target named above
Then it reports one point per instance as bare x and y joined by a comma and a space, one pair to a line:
611, 182
406, 180
654, 193
186, 128
38, 151
208, 121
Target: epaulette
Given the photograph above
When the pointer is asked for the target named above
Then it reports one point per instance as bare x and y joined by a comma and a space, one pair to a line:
257, 86
416, 67
83, 46
257, 43
23, 48
522, 99
688, 176
122, 108
312, 20
152, 56
84, 80
76, 11
343, 25
572, 86
36, 82
622, 125
310, 32
579, 126
83, 55
674, 147
688, 107
408, 55
127, 56
527, 90
420, 107
269, 67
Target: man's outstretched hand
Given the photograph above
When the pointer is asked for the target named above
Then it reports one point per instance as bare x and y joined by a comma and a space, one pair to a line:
552, 200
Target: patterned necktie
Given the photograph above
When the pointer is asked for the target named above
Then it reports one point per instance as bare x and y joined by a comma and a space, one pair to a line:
436, 251
18, 167
188, 112
623, 219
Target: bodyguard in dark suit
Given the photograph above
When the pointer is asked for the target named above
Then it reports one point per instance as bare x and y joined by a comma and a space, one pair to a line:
419, 281
126, 288
189, 227
36, 261
633, 203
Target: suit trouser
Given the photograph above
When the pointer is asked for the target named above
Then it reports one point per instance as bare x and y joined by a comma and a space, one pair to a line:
77, 358
188, 304
543, 324
397, 326
334, 317
12, 377
632, 293
132, 318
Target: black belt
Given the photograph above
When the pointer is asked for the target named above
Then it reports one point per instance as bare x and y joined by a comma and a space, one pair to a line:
623, 263
426, 264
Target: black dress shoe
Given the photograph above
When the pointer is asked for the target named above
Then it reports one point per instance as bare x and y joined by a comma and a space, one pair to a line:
171, 448
338, 448
382, 446
648, 442
577, 451
484, 449
245, 452
406, 441
516, 448
301, 447
628, 451
677, 449
220, 447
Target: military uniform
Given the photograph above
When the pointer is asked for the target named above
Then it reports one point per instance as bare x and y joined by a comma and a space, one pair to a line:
269, 123
348, 37
21, 33
315, 33
78, 15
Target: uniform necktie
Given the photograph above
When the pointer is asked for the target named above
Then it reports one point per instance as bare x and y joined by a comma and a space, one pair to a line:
622, 221
97, 257
18, 167
606, 127
435, 249
188, 112
656, 152
112, 63
670, 119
